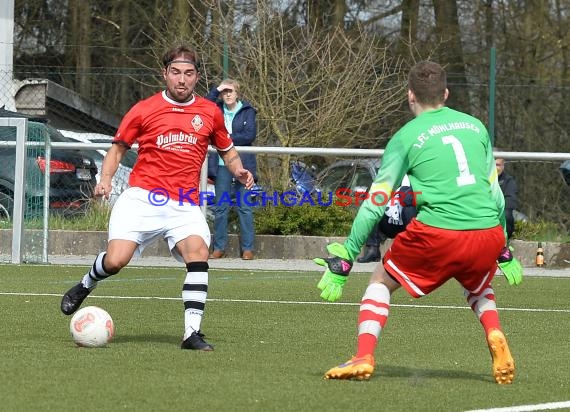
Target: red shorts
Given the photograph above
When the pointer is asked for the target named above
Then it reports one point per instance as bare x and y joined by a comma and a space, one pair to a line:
422, 258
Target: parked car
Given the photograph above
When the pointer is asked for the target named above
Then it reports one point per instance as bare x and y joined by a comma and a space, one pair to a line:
350, 176
354, 175
72, 172
121, 178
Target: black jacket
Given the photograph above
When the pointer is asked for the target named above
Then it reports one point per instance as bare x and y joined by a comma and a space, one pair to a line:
509, 189
244, 132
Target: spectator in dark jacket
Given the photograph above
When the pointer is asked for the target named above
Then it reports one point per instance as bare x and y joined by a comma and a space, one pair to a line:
240, 119
510, 192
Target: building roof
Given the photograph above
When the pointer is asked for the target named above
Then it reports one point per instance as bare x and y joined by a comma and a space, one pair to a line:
62, 107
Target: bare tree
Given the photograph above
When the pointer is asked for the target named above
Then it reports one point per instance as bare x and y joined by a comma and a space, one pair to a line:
451, 55
325, 73
532, 41
561, 35
323, 15
313, 88
82, 17
328, 88
72, 36
409, 24
125, 23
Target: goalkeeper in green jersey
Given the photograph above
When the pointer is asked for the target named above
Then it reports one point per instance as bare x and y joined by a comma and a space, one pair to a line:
459, 230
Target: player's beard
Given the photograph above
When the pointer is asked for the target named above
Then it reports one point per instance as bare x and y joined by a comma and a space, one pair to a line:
181, 95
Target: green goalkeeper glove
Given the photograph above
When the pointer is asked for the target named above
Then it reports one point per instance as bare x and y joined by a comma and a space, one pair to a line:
510, 266
336, 274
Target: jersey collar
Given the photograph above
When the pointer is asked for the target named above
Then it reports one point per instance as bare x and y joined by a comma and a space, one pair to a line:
169, 100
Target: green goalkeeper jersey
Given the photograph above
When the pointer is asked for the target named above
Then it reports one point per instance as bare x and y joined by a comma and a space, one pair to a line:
449, 159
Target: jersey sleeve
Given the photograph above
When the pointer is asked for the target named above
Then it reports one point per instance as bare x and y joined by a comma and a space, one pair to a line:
220, 137
496, 192
390, 175
130, 127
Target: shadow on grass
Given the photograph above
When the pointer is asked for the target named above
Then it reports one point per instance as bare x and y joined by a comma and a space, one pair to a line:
418, 374
154, 338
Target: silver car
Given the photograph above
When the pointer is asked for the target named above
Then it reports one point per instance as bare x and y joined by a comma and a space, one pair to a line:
121, 179
354, 175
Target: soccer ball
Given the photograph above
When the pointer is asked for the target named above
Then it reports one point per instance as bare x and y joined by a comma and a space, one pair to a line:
91, 327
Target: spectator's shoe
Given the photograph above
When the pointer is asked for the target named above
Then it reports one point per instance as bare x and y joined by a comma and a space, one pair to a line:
247, 255
217, 254
73, 298
371, 254
357, 368
196, 342
503, 363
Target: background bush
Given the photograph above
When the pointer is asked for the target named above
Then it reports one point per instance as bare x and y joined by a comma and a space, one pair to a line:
305, 220
539, 231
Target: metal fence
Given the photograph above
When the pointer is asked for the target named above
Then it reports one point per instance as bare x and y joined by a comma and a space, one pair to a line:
28, 203
29, 153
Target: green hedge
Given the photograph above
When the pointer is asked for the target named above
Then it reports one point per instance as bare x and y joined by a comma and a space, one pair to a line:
540, 231
305, 220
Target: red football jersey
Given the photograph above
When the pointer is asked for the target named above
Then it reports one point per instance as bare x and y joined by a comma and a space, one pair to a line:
173, 142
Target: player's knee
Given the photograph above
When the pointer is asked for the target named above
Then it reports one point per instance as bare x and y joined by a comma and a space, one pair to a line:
380, 275
202, 254
112, 265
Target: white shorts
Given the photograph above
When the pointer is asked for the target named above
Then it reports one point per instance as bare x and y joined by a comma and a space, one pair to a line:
135, 218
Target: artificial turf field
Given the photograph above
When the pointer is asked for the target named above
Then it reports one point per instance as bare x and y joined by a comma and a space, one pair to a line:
273, 341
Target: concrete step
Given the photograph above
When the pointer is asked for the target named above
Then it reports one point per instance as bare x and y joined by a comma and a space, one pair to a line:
84, 243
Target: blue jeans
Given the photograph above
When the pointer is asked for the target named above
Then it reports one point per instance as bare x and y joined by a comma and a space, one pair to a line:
226, 188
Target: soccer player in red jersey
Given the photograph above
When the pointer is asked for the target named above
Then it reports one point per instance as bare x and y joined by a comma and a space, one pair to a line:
173, 129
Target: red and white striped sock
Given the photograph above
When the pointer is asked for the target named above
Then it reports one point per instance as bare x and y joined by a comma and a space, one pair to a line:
484, 306
374, 309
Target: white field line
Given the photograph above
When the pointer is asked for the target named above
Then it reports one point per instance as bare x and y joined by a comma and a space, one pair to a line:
524, 408
284, 302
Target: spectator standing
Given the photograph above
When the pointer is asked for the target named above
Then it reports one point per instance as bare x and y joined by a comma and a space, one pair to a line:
240, 120
509, 188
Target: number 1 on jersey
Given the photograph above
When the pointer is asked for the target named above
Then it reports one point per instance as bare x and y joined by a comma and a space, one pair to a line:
465, 177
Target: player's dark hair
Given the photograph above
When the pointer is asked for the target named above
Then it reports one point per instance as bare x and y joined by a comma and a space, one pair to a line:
428, 81
182, 53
